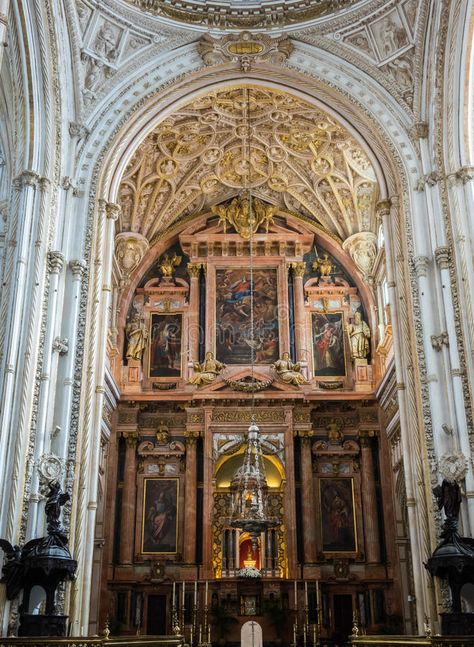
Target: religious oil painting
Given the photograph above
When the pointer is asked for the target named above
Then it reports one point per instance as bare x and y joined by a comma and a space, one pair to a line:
337, 514
165, 345
328, 344
235, 340
160, 515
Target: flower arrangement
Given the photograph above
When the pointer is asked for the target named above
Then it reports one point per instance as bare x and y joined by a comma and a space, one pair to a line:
249, 571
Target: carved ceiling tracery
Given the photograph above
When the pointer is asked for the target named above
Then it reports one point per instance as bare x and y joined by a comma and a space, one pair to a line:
290, 153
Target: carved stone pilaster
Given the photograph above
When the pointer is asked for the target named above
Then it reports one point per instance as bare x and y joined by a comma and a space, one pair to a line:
362, 248
421, 265
78, 268
130, 248
442, 257
55, 262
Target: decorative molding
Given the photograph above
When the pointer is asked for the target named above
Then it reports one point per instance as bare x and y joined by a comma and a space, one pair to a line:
419, 130
438, 341
453, 467
442, 256
421, 264
362, 248
61, 346
130, 248
244, 48
78, 268
55, 262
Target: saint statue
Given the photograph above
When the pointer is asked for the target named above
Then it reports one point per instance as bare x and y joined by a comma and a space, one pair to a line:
137, 336
289, 372
168, 264
55, 499
359, 335
206, 372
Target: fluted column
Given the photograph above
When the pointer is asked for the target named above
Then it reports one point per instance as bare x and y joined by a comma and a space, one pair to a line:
307, 497
128, 499
190, 493
194, 270
300, 313
369, 499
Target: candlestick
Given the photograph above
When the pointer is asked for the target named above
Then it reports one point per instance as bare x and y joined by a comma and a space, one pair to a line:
296, 597
200, 634
174, 595
195, 593
191, 636
317, 594
304, 635
208, 634
184, 589
314, 635
294, 633
207, 588
306, 594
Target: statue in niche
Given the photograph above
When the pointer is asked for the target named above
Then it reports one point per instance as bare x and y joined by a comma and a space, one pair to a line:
288, 371
359, 335
168, 264
207, 371
137, 336
335, 434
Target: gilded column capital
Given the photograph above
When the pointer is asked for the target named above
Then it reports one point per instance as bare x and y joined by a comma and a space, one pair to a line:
112, 210
55, 262
298, 268
442, 257
78, 268
191, 438
306, 436
365, 436
421, 265
194, 270
131, 439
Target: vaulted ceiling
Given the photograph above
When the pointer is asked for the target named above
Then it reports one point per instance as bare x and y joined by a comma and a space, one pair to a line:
288, 152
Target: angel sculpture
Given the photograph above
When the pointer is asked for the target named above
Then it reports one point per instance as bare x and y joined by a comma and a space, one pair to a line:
288, 371
206, 372
12, 572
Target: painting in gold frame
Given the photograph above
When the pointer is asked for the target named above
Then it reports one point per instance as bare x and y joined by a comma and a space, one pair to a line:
166, 333
237, 333
160, 516
338, 523
328, 344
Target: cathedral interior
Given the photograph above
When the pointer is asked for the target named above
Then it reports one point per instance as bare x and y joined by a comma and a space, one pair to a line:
237, 271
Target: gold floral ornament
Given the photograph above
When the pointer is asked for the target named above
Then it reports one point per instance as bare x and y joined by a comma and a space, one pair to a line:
246, 217
168, 264
288, 371
207, 371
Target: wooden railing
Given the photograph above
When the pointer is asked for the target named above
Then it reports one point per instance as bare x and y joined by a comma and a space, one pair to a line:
400, 641
111, 641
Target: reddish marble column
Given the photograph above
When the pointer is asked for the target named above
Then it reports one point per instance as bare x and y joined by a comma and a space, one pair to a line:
307, 499
194, 270
369, 501
190, 494
300, 312
128, 499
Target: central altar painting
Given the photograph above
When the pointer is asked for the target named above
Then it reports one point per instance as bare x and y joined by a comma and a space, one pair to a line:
234, 338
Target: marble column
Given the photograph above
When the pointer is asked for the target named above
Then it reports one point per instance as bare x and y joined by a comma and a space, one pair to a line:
369, 500
307, 498
194, 271
300, 313
190, 492
128, 499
